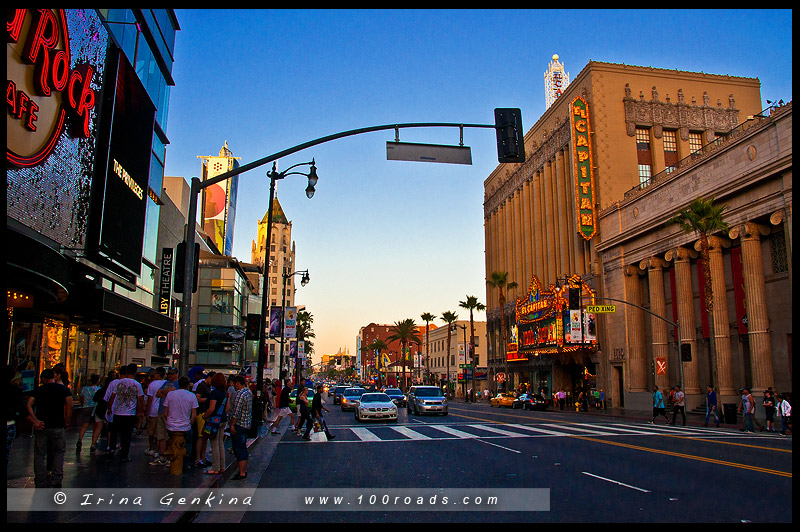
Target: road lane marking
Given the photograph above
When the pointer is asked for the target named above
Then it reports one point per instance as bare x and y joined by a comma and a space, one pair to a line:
498, 431
688, 456
616, 482
365, 434
580, 429
412, 434
453, 432
542, 431
495, 445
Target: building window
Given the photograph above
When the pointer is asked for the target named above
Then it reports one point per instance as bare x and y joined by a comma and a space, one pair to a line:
644, 155
780, 260
670, 150
695, 141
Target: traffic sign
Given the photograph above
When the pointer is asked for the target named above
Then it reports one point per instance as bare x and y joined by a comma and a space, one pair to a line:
597, 309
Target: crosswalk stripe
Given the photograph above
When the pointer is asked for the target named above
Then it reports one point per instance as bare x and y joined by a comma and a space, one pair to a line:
498, 431
539, 430
454, 432
632, 431
579, 429
413, 434
365, 434
655, 429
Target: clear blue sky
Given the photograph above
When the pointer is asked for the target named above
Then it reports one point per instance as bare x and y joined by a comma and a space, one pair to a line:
389, 240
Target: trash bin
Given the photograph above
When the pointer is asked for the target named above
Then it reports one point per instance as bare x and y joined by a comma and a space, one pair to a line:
729, 412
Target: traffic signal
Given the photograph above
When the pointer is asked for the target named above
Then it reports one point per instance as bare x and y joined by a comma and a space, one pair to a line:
510, 136
686, 352
253, 331
180, 258
574, 298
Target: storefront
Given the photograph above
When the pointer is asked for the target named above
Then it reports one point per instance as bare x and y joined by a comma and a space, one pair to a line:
553, 339
80, 126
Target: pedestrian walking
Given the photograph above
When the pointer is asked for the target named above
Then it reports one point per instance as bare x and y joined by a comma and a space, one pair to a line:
283, 408
302, 409
217, 406
711, 405
49, 410
151, 408
769, 409
241, 414
171, 383
658, 406
680, 405
86, 411
747, 407
785, 409
125, 398
15, 409
100, 411
317, 406
203, 391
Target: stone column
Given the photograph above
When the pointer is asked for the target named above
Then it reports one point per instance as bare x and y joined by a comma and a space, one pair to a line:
637, 359
722, 336
755, 298
658, 306
684, 303
527, 237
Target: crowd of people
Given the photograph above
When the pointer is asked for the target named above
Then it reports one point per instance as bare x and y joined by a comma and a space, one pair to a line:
182, 418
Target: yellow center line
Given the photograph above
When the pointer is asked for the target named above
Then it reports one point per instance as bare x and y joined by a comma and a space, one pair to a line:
669, 453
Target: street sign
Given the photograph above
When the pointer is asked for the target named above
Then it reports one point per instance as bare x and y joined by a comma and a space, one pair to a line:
462, 366
598, 309
428, 153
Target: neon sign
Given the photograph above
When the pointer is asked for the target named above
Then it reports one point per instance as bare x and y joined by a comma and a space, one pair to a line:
43, 101
584, 171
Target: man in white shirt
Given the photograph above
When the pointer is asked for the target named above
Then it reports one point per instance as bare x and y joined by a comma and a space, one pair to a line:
126, 402
180, 408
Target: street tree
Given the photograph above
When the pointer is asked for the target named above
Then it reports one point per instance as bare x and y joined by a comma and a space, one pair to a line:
427, 317
405, 332
499, 280
471, 304
449, 317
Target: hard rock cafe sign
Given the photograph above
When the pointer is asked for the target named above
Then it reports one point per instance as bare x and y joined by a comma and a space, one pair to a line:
43, 90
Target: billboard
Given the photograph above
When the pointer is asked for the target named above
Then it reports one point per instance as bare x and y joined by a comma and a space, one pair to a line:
219, 201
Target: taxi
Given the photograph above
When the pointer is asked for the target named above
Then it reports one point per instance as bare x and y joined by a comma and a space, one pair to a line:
502, 399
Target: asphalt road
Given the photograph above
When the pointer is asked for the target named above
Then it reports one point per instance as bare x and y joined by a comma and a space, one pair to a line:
554, 467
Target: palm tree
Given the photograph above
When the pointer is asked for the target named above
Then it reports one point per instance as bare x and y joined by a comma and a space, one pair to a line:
376, 347
449, 318
499, 280
427, 317
472, 303
405, 332
704, 217
305, 331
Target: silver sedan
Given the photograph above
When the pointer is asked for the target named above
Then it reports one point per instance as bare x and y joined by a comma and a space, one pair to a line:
375, 406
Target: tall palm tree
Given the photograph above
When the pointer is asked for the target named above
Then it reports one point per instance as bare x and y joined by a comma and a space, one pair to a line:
427, 317
305, 331
377, 346
704, 217
449, 317
499, 280
471, 303
405, 332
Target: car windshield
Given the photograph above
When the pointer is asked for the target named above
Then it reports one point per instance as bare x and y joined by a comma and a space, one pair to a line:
393, 392
429, 392
340, 389
375, 398
354, 391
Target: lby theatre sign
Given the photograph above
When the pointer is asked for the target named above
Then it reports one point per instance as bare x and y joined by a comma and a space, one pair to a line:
584, 170
544, 321
43, 90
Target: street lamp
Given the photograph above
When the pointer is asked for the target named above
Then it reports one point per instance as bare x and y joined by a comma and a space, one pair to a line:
274, 176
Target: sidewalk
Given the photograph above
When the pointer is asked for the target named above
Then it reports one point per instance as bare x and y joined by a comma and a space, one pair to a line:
87, 469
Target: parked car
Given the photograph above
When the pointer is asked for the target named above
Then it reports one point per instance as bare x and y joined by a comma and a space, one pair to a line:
396, 396
350, 398
426, 399
375, 406
530, 401
502, 399
337, 394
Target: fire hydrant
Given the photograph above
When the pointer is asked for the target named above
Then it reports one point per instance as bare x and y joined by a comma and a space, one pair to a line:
175, 452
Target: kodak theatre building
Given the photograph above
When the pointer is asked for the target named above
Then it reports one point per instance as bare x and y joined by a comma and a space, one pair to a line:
609, 293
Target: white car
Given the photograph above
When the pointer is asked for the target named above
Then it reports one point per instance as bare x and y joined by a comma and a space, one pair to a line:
375, 406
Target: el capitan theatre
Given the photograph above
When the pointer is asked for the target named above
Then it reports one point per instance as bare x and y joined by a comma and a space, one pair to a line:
79, 135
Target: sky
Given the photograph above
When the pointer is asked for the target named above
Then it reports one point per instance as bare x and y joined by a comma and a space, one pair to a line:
388, 240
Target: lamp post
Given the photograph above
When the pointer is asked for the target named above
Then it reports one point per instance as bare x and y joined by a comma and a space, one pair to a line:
303, 281
464, 328
274, 176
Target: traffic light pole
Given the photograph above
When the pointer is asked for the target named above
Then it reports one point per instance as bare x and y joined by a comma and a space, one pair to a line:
511, 149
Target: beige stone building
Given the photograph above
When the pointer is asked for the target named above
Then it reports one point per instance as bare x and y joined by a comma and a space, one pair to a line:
615, 136
441, 361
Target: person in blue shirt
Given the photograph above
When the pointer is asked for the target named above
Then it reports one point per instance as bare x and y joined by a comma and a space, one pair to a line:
711, 406
658, 406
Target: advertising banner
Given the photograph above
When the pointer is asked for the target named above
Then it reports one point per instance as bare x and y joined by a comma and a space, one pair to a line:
290, 323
